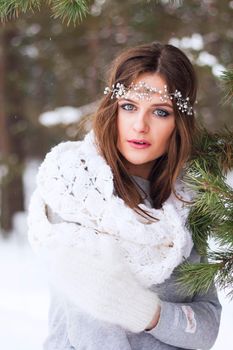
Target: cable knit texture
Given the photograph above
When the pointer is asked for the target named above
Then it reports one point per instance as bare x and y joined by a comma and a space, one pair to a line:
96, 240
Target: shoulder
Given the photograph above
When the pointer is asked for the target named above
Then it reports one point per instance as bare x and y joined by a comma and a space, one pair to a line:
57, 165
62, 161
74, 174
56, 173
60, 154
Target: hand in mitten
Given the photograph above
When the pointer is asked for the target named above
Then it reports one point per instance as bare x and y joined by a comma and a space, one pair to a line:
104, 286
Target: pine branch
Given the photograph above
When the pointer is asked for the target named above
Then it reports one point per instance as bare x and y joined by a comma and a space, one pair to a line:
223, 233
224, 278
227, 79
214, 151
211, 214
213, 207
67, 10
12, 8
198, 278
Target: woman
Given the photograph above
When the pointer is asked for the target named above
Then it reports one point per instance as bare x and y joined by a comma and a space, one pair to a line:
108, 216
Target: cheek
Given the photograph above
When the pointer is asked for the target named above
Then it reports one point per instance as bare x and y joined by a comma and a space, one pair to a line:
121, 125
120, 131
166, 133
169, 131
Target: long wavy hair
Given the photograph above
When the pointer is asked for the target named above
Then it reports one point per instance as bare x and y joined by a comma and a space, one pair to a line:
176, 69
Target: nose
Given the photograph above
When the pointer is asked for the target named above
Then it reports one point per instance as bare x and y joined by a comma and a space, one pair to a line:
140, 123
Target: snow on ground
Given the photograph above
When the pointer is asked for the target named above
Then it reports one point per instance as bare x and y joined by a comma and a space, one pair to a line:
24, 301
24, 298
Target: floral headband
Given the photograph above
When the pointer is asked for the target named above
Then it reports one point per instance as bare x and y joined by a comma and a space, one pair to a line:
143, 91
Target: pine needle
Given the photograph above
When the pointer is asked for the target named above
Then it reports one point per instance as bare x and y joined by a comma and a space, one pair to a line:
196, 278
227, 79
69, 10
12, 8
211, 214
199, 277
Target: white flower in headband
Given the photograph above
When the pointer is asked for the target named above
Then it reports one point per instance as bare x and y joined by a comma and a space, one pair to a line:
143, 91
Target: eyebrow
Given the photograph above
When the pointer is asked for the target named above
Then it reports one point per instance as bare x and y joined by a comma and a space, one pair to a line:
153, 105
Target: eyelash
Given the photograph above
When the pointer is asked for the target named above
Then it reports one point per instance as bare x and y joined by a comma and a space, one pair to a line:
158, 109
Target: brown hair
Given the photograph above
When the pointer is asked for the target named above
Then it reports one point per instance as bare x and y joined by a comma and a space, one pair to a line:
174, 66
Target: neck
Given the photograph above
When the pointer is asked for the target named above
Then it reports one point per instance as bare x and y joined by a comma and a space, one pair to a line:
141, 170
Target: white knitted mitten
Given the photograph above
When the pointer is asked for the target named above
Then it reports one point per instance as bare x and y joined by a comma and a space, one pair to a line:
104, 286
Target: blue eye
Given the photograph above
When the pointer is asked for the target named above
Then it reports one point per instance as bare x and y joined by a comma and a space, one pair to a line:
127, 107
161, 113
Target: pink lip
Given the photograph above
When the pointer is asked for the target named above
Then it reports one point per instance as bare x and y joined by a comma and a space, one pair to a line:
135, 143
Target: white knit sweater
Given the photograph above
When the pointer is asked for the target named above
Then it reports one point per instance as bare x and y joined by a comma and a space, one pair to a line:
97, 231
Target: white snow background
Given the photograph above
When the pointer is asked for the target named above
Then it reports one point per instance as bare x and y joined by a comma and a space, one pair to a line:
24, 296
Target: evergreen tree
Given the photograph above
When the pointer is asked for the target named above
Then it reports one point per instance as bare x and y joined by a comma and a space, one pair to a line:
211, 214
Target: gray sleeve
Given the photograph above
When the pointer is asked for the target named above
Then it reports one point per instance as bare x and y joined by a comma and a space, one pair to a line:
191, 325
58, 337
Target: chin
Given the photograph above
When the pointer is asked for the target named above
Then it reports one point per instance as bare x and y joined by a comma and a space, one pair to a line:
138, 161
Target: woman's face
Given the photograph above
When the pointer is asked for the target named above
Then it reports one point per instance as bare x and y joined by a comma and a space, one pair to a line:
144, 127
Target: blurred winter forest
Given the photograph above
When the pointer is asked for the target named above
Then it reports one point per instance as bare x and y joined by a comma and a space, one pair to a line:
46, 65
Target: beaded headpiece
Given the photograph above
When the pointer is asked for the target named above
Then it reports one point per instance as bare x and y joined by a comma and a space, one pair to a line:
143, 91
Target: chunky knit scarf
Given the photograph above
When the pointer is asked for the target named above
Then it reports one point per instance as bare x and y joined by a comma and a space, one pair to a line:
76, 184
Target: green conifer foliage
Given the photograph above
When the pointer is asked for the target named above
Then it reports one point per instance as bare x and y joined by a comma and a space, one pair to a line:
211, 213
67, 10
